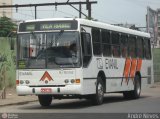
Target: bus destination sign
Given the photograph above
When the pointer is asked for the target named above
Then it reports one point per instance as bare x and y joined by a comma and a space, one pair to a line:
30, 27
55, 26
48, 26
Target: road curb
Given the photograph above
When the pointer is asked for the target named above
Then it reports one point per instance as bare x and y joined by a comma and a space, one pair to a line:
17, 103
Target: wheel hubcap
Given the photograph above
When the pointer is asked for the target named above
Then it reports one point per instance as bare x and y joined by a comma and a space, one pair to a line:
100, 91
138, 88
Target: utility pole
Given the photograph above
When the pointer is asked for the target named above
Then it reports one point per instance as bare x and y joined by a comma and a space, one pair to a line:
80, 10
87, 3
88, 7
35, 12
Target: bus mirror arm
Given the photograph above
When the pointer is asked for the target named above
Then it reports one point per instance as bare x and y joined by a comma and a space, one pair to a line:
82, 29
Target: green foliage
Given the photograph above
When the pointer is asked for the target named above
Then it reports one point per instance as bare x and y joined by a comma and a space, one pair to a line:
6, 26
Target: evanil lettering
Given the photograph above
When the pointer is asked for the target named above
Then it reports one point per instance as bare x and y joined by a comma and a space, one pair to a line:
111, 64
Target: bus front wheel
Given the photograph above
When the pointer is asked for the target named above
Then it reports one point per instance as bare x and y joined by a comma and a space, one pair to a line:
98, 97
45, 100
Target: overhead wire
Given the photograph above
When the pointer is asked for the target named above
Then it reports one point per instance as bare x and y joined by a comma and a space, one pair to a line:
101, 16
60, 11
31, 11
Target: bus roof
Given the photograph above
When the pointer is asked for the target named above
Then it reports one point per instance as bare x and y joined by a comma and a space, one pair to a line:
97, 24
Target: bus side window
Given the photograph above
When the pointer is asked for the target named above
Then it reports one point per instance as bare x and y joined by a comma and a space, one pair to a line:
132, 47
86, 48
124, 45
140, 49
115, 38
147, 48
106, 44
96, 41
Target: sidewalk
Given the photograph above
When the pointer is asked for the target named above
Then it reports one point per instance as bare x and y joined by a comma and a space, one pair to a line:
13, 99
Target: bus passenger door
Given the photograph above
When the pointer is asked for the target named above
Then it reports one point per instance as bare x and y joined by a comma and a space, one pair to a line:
86, 47
88, 81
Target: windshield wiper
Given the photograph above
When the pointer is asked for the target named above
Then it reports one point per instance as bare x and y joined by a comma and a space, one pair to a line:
33, 34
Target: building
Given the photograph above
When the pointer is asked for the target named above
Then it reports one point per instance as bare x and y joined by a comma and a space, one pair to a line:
6, 11
153, 26
158, 12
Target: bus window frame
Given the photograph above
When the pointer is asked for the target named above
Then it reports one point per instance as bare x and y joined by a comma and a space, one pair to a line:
142, 47
106, 43
83, 52
93, 42
129, 45
126, 45
149, 48
117, 46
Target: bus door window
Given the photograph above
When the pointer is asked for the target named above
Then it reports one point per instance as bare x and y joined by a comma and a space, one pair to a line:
86, 48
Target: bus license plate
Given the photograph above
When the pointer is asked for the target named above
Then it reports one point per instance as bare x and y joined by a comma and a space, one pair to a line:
46, 90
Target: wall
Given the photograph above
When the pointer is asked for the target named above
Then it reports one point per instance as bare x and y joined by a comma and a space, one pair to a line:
7, 63
156, 64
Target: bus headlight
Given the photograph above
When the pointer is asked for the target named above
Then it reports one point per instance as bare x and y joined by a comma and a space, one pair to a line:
66, 81
72, 81
21, 82
27, 81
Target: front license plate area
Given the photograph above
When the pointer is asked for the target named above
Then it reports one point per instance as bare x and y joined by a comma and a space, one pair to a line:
46, 90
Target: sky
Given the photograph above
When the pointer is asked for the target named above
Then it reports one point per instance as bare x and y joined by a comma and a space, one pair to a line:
109, 11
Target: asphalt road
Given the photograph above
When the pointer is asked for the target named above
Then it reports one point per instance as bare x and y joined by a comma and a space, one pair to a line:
113, 103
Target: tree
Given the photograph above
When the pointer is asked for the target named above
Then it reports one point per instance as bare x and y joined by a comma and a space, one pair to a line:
6, 26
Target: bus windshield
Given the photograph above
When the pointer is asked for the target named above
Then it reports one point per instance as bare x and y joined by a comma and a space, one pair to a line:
48, 50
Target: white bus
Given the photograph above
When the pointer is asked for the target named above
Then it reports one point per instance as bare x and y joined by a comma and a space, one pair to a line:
78, 58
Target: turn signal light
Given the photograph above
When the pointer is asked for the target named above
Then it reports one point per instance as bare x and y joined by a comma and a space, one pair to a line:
78, 81
17, 82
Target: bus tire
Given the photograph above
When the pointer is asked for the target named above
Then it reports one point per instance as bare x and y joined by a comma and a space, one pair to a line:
98, 97
135, 94
45, 100
137, 88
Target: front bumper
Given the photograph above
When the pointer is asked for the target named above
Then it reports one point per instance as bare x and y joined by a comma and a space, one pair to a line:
66, 90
